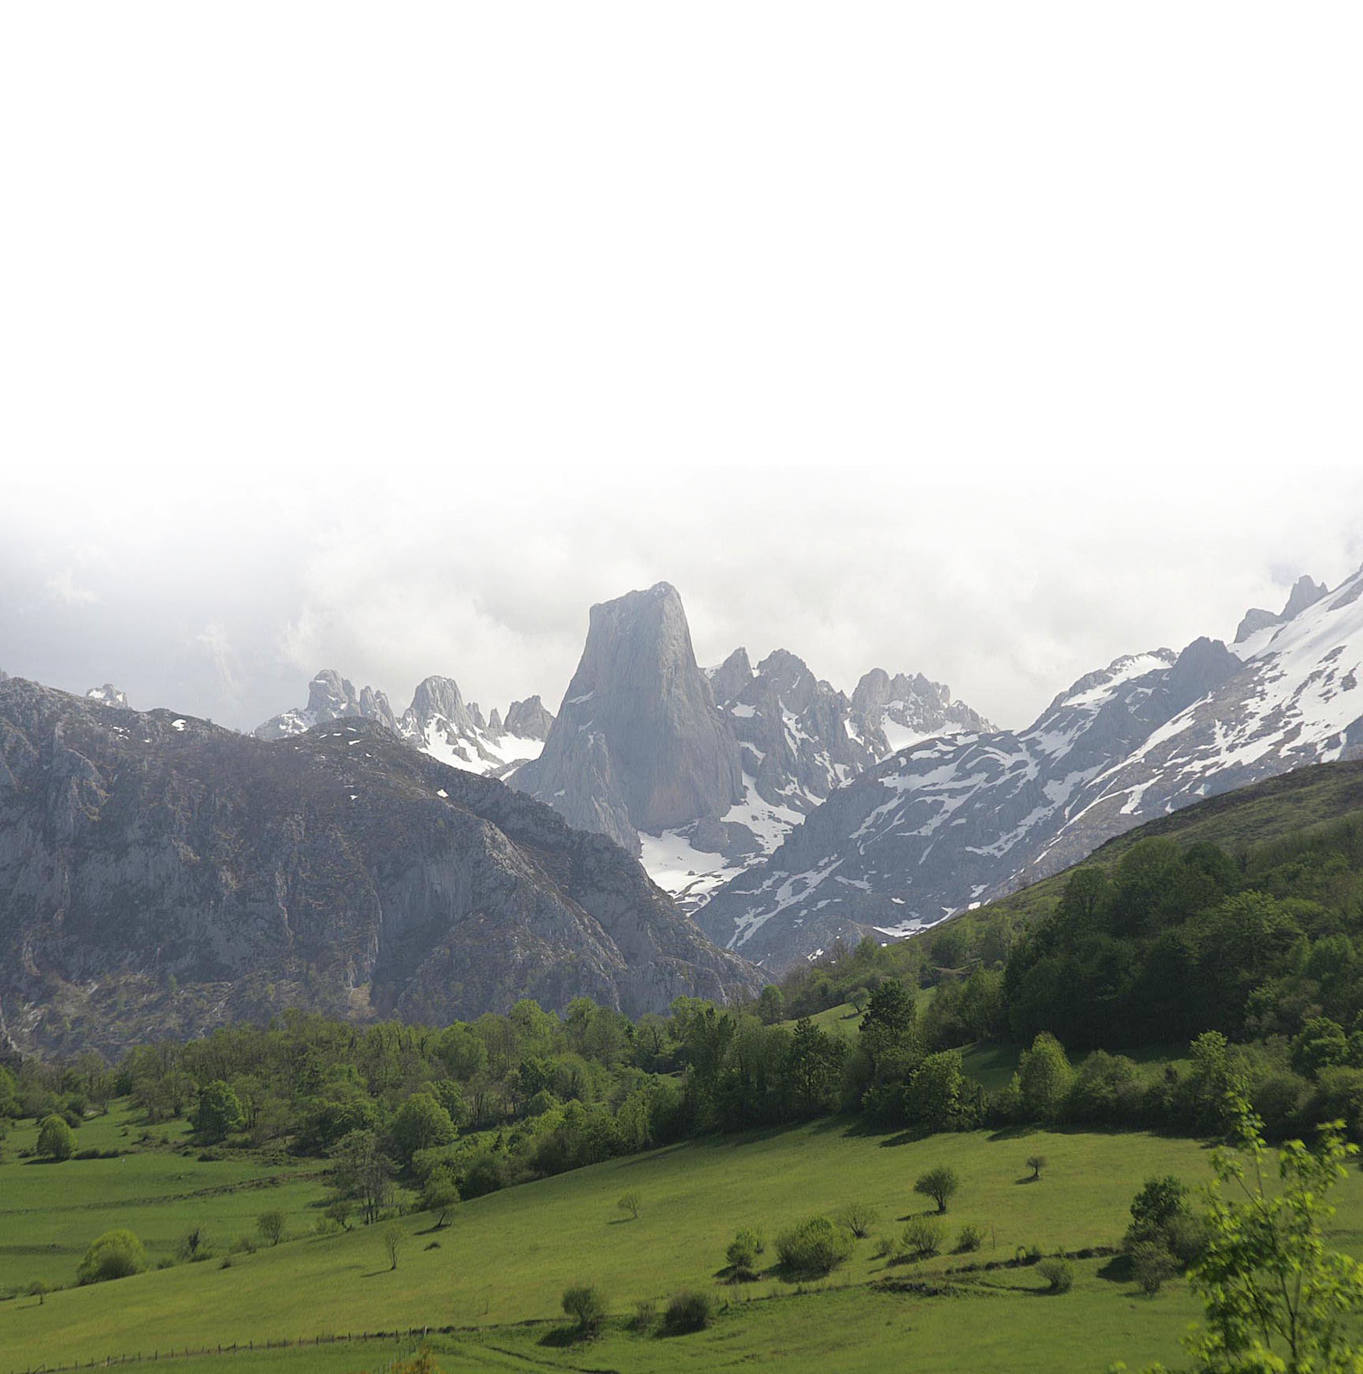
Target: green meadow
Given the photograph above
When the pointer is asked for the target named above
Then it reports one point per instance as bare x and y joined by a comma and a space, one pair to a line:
496, 1273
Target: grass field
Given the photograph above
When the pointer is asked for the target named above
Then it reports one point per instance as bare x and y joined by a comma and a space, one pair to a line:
49, 1213
506, 1259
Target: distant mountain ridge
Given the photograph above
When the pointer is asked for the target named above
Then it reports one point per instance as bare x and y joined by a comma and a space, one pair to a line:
950, 822
438, 722
161, 875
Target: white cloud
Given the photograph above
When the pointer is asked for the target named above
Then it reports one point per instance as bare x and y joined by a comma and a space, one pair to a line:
990, 343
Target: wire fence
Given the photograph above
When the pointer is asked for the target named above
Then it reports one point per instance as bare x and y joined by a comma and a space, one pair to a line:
187, 1352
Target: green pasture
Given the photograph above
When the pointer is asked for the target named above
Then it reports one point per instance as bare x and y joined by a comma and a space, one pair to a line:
507, 1257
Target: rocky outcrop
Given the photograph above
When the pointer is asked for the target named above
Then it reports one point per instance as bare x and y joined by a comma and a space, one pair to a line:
638, 743
529, 719
108, 695
161, 875
330, 697
891, 713
1305, 592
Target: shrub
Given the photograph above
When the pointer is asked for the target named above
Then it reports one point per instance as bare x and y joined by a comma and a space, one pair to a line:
586, 1304
630, 1203
56, 1140
743, 1252
1058, 1273
115, 1255
859, 1218
816, 1246
1151, 1264
1186, 1237
194, 1245
884, 1247
645, 1316
922, 1238
939, 1184
688, 1311
1036, 1163
971, 1238
243, 1245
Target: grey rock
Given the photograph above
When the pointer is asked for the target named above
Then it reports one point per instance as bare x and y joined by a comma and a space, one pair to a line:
107, 695
638, 743
528, 719
160, 875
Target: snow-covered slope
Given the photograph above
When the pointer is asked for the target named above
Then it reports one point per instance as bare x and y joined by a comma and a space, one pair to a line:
949, 822
438, 722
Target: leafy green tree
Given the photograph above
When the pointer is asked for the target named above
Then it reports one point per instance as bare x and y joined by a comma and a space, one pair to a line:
586, 1304
939, 1184
935, 1098
37, 1289
393, 1237
887, 1030
271, 1226
814, 1068
421, 1124
1277, 1298
217, 1113
1036, 1163
115, 1255
771, 1005
440, 1193
56, 1140
363, 1172
1044, 1078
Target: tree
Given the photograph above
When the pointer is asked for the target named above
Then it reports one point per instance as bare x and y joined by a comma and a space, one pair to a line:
393, 1237
1036, 1163
587, 1306
814, 1068
742, 1254
37, 1289
771, 1005
859, 1218
115, 1255
363, 1172
630, 1203
56, 1140
939, 1184
217, 1113
1044, 1077
194, 1245
440, 1192
421, 1124
1276, 1297
271, 1226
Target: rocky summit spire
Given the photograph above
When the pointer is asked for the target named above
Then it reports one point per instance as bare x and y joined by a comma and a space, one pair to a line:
638, 743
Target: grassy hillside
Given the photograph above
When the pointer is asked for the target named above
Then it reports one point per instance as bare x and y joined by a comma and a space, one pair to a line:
1236, 821
507, 1257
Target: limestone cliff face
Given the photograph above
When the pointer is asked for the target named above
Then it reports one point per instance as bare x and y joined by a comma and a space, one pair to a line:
638, 743
162, 875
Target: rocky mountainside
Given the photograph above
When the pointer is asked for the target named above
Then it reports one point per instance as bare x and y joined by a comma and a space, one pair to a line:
438, 722
704, 773
159, 874
950, 822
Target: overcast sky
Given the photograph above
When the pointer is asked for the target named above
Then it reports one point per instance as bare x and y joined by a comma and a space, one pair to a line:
986, 341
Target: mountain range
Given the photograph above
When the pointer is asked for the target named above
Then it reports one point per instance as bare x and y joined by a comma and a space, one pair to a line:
162, 875
951, 822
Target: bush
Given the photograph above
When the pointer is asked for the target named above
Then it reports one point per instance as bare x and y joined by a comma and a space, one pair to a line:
645, 1316
1036, 1163
1151, 1264
630, 1204
859, 1218
743, 1252
243, 1245
56, 1140
939, 1184
1058, 1273
971, 1238
922, 1238
115, 1255
816, 1246
688, 1311
884, 1247
587, 1306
